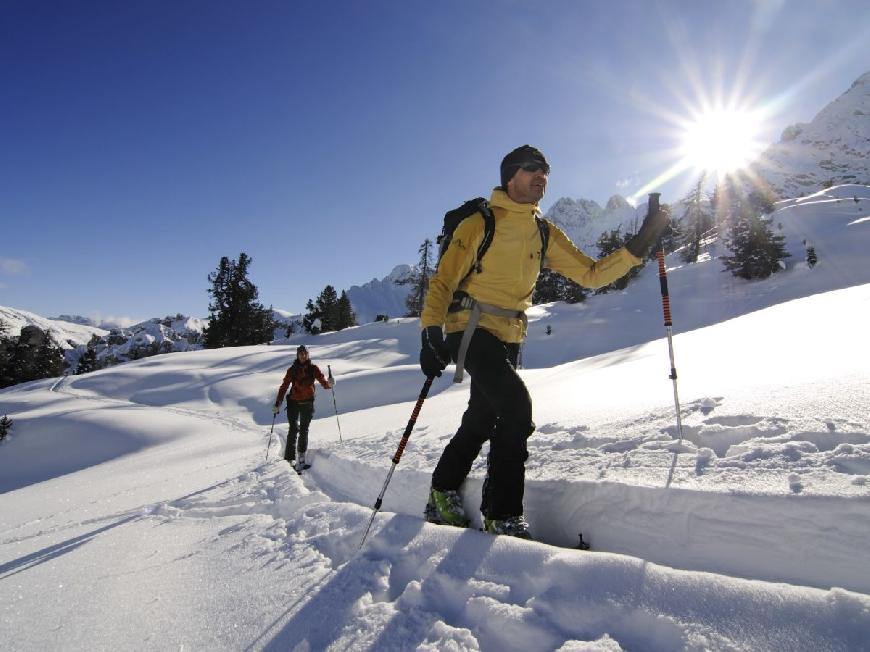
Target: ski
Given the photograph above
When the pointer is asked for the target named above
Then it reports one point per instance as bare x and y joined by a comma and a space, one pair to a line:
430, 517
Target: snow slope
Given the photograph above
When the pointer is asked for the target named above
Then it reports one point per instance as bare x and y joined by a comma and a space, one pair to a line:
139, 511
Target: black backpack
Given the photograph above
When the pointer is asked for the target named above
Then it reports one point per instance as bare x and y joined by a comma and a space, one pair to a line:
452, 219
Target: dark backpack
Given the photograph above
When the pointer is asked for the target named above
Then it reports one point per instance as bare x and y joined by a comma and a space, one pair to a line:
454, 218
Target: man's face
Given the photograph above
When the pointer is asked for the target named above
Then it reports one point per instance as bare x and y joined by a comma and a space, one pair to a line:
302, 356
528, 185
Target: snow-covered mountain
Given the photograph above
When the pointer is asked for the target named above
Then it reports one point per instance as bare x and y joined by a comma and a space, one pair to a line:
384, 296
167, 335
834, 148
66, 334
583, 220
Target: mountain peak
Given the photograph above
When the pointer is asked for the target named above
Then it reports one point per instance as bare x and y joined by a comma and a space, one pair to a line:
617, 202
834, 148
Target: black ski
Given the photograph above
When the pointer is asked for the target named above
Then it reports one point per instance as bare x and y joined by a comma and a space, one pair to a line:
429, 517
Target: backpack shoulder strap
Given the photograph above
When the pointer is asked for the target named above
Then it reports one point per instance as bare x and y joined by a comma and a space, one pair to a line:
488, 231
544, 230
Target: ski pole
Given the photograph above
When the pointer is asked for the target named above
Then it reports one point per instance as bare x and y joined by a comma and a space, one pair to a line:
269, 445
666, 309
332, 387
398, 456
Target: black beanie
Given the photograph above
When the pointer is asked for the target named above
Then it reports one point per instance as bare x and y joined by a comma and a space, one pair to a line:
512, 162
300, 349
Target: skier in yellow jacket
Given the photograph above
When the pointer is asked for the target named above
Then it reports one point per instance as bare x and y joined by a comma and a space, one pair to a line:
481, 306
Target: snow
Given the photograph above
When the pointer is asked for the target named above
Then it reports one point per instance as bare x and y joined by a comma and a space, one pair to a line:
139, 512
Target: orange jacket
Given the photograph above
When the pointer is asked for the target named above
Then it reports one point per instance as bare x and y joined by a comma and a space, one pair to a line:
301, 377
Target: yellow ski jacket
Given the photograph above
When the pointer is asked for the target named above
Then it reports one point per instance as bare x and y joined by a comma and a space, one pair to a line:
510, 268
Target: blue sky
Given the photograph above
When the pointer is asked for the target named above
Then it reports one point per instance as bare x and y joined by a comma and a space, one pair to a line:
143, 141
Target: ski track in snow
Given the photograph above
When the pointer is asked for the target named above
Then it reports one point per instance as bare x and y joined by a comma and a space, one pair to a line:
438, 575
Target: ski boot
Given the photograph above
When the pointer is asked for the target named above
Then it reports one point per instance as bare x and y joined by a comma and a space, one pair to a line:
445, 508
512, 526
301, 464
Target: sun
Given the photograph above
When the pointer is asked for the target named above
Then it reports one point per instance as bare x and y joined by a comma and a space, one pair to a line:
721, 141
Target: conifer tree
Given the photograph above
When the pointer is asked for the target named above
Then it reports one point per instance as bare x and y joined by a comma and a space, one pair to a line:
236, 318
552, 286
346, 316
88, 360
312, 318
6, 348
607, 243
756, 251
30, 356
547, 288
419, 280
5, 426
696, 222
327, 305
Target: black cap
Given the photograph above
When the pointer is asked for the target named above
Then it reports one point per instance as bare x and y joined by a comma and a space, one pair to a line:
300, 349
520, 156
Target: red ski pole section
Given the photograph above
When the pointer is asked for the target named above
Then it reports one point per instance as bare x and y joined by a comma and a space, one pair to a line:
423, 394
663, 281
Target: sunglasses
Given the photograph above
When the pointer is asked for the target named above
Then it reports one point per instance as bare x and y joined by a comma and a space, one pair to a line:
534, 166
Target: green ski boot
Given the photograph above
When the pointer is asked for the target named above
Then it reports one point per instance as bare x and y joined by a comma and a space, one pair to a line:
445, 508
513, 526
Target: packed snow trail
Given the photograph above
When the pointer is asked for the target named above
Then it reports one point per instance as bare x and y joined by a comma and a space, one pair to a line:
718, 532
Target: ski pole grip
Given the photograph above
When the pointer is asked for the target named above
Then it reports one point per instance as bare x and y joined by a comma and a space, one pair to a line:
653, 203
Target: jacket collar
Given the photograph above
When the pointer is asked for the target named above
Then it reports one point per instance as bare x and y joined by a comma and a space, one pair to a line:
500, 198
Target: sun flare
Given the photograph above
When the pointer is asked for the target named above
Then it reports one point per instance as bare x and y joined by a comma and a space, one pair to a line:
721, 141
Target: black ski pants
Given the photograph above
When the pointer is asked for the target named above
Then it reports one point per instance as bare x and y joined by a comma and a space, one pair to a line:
299, 414
499, 410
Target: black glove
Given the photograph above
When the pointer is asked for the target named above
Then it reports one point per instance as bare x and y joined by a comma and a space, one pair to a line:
434, 354
650, 231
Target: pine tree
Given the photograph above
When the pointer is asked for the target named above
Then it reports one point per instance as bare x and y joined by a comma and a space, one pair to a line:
671, 238
419, 280
756, 251
696, 222
88, 360
311, 320
5, 426
30, 356
607, 243
327, 305
346, 316
552, 286
547, 287
812, 259
6, 348
236, 318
